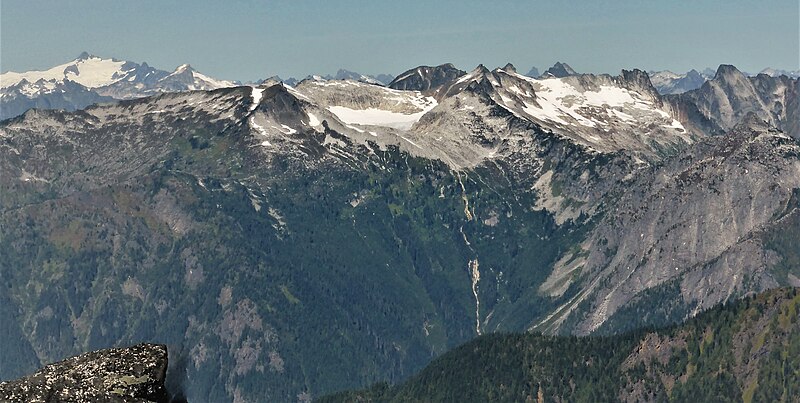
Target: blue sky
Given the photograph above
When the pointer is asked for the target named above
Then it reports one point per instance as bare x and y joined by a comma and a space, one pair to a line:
249, 39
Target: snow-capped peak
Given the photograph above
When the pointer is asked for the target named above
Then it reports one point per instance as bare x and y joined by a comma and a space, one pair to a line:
87, 70
90, 78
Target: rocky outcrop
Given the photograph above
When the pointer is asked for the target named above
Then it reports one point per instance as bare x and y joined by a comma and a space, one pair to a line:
132, 374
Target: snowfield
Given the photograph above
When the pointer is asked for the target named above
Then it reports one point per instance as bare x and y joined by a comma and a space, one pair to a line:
379, 117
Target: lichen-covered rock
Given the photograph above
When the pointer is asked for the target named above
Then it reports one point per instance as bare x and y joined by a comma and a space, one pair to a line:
132, 374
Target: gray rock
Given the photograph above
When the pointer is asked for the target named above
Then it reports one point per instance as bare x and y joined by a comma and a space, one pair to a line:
722, 102
560, 70
132, 374
424, 78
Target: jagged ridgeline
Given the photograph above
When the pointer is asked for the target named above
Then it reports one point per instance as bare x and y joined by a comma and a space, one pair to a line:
287, 242
747, 351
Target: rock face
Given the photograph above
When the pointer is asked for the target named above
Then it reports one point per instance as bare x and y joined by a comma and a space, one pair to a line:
424, 78
720, 103
132, 374
693, 223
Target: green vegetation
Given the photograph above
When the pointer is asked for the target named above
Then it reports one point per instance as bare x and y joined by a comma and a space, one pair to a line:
783, 239
709, 358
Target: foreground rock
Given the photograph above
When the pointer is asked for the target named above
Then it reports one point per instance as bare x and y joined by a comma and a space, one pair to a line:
133, 374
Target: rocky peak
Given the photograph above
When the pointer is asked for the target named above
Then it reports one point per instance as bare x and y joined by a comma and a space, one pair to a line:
533, 72
479, 70
425, 78
726, 72
343, 74
510, 67
731, 95
638, 80
132, 374
694, 75
560, 70
84, 56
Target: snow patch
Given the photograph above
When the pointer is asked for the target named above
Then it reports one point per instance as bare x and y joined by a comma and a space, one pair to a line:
675, 125
288, 129
256, 94
313, 121
381, 117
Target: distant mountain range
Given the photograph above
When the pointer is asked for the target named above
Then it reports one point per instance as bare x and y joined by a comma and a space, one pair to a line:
91, 79
380, 79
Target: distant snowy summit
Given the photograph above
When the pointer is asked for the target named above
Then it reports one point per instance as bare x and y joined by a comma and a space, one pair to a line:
117, 78
90, 79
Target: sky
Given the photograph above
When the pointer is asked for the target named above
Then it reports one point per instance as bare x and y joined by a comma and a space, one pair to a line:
249, 39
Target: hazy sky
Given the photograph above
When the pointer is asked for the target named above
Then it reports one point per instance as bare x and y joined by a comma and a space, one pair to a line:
249, 39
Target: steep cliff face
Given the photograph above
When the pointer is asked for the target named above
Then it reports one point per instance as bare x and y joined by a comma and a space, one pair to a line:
694, 222
132, 374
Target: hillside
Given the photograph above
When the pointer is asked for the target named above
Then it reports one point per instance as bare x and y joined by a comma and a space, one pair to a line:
747, 350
